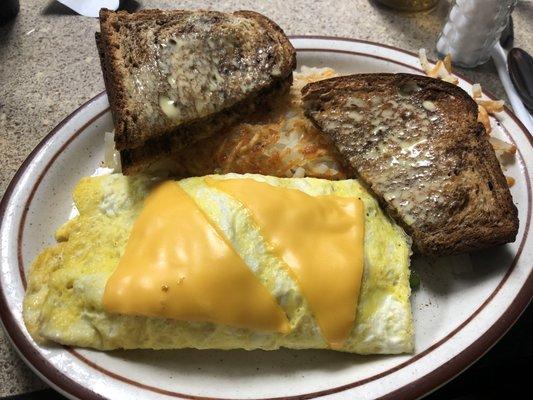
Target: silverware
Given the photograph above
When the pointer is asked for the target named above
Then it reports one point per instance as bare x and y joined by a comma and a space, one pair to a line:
500, 58
520, 67
507, 37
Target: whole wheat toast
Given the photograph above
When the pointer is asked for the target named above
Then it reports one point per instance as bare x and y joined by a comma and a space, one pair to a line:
416, 143
176, 76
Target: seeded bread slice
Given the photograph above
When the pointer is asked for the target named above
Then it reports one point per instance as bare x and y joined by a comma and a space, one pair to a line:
171, 73
416, 143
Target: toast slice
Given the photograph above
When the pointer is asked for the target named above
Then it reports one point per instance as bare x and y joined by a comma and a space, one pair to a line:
416, 143
181, 75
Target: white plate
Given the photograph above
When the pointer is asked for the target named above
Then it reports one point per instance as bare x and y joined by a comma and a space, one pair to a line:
465, 303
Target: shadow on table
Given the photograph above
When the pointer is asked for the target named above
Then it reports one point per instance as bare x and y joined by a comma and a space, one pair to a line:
57, 8
129, 5
6, 36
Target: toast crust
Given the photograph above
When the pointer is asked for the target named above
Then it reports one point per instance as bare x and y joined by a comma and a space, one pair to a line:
124, 62
421, 151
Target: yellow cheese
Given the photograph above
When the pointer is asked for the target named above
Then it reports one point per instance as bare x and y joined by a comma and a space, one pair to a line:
320, 238
177, 265
66, 283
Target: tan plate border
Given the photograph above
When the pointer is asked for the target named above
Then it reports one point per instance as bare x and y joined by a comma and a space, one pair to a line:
415, 389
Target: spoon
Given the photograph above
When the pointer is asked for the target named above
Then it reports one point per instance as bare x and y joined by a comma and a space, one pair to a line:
507, 37
500, 56
520, 66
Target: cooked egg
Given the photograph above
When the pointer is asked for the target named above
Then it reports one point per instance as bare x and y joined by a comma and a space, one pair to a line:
67, 281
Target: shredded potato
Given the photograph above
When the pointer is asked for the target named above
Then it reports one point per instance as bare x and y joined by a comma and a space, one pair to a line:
443, 70
277, 140
483, 117
448, 63
440, 71
491, 106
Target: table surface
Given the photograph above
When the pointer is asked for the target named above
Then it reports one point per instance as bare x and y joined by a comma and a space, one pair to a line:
49, 66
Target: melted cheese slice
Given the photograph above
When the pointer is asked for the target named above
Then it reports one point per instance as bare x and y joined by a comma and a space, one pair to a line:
320, 238
176, 265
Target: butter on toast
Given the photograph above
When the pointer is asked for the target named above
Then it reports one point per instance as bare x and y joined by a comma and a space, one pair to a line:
177, 76
416, 143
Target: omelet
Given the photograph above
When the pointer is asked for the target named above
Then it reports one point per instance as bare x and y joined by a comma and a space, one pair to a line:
66, 285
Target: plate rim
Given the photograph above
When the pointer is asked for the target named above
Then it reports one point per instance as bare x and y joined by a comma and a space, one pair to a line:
420, 386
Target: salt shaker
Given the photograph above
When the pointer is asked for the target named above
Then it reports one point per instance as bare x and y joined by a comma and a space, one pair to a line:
472, 30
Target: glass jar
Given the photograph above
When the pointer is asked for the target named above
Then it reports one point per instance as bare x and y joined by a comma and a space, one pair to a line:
472, 29
409, 5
